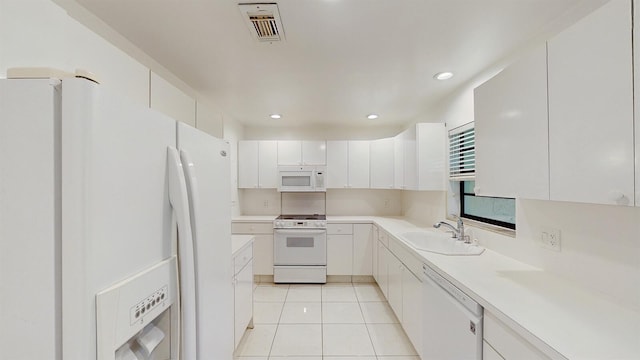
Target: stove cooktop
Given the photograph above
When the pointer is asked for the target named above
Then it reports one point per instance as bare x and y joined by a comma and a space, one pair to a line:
302, 217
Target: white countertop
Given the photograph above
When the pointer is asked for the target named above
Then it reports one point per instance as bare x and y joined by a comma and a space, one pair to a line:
556, 315
239, 242
254, 218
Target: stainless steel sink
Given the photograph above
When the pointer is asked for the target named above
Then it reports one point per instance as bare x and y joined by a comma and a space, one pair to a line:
440, 243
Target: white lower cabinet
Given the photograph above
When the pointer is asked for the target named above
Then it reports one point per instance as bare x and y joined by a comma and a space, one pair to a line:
242, 293
374, 250
395, 285
262, 244
400, 286
506, 343
383, 270
339, 254
263, 258
350, 249
339, 249
412, 308
362, 249
488, 353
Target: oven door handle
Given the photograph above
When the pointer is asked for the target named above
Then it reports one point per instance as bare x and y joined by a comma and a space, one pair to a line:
298, 232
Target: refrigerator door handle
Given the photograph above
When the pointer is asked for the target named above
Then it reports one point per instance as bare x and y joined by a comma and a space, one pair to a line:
192, 192
178, 197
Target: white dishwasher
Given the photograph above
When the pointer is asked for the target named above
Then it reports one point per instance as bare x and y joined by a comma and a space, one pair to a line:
452, 321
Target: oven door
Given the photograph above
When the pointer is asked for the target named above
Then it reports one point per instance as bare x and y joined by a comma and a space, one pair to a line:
300, 247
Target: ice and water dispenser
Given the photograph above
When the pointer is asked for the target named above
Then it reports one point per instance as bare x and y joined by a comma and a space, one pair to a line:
138, 318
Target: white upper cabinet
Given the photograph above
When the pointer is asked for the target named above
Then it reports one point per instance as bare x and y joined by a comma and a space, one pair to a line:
314, 152
410, 159
257, 164
295, 152
268, 164
398, 162
431, 143
382, 164
337, 164
247, 164
591, 145
289, 152
511, 130
171, 101
359, 164
348, 164
423, 149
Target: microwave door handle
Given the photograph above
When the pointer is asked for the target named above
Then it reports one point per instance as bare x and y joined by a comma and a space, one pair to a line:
299, 232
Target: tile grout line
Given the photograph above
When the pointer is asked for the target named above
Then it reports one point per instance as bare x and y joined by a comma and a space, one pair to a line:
278, 324
321, 324
366, 325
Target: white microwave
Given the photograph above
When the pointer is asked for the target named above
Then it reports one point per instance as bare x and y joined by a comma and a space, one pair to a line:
301, 179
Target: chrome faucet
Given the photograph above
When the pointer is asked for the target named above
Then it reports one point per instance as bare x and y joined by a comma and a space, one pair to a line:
457, 233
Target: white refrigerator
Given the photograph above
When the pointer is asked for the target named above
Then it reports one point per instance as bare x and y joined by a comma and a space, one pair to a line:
85, 205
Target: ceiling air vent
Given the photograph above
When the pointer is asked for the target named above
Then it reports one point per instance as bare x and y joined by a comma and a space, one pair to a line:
263, 21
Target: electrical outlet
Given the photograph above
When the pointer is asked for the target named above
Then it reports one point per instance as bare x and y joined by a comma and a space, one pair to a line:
266, 203
386, 203
550, 239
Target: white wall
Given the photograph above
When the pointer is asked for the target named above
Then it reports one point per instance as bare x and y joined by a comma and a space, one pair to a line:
41, 33
424, 207
600, 245
260, 202
233, 132
372, 202
209, 119
38, 33
63, 35
338, 202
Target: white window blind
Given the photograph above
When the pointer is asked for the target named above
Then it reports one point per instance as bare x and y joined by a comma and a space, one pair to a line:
462, 153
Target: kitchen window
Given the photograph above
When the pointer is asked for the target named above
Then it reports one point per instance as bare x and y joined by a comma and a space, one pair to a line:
489, 210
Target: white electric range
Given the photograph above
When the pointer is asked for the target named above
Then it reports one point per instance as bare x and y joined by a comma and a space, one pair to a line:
300, 249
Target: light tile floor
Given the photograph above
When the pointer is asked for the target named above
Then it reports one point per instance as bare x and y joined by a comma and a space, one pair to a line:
332, 322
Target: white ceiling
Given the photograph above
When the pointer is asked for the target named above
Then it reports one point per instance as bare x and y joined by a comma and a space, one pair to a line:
342, 59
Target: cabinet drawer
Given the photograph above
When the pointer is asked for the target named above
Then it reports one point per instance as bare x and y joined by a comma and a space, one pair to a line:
251, 228
339, 229
412, 263
242, 258
507, 342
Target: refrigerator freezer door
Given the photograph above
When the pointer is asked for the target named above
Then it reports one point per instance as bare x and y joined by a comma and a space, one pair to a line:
116, 216
29, 231
136, 313
207, 170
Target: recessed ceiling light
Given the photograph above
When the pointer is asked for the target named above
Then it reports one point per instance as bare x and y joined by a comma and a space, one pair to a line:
372, 116
275, 116
443, 75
